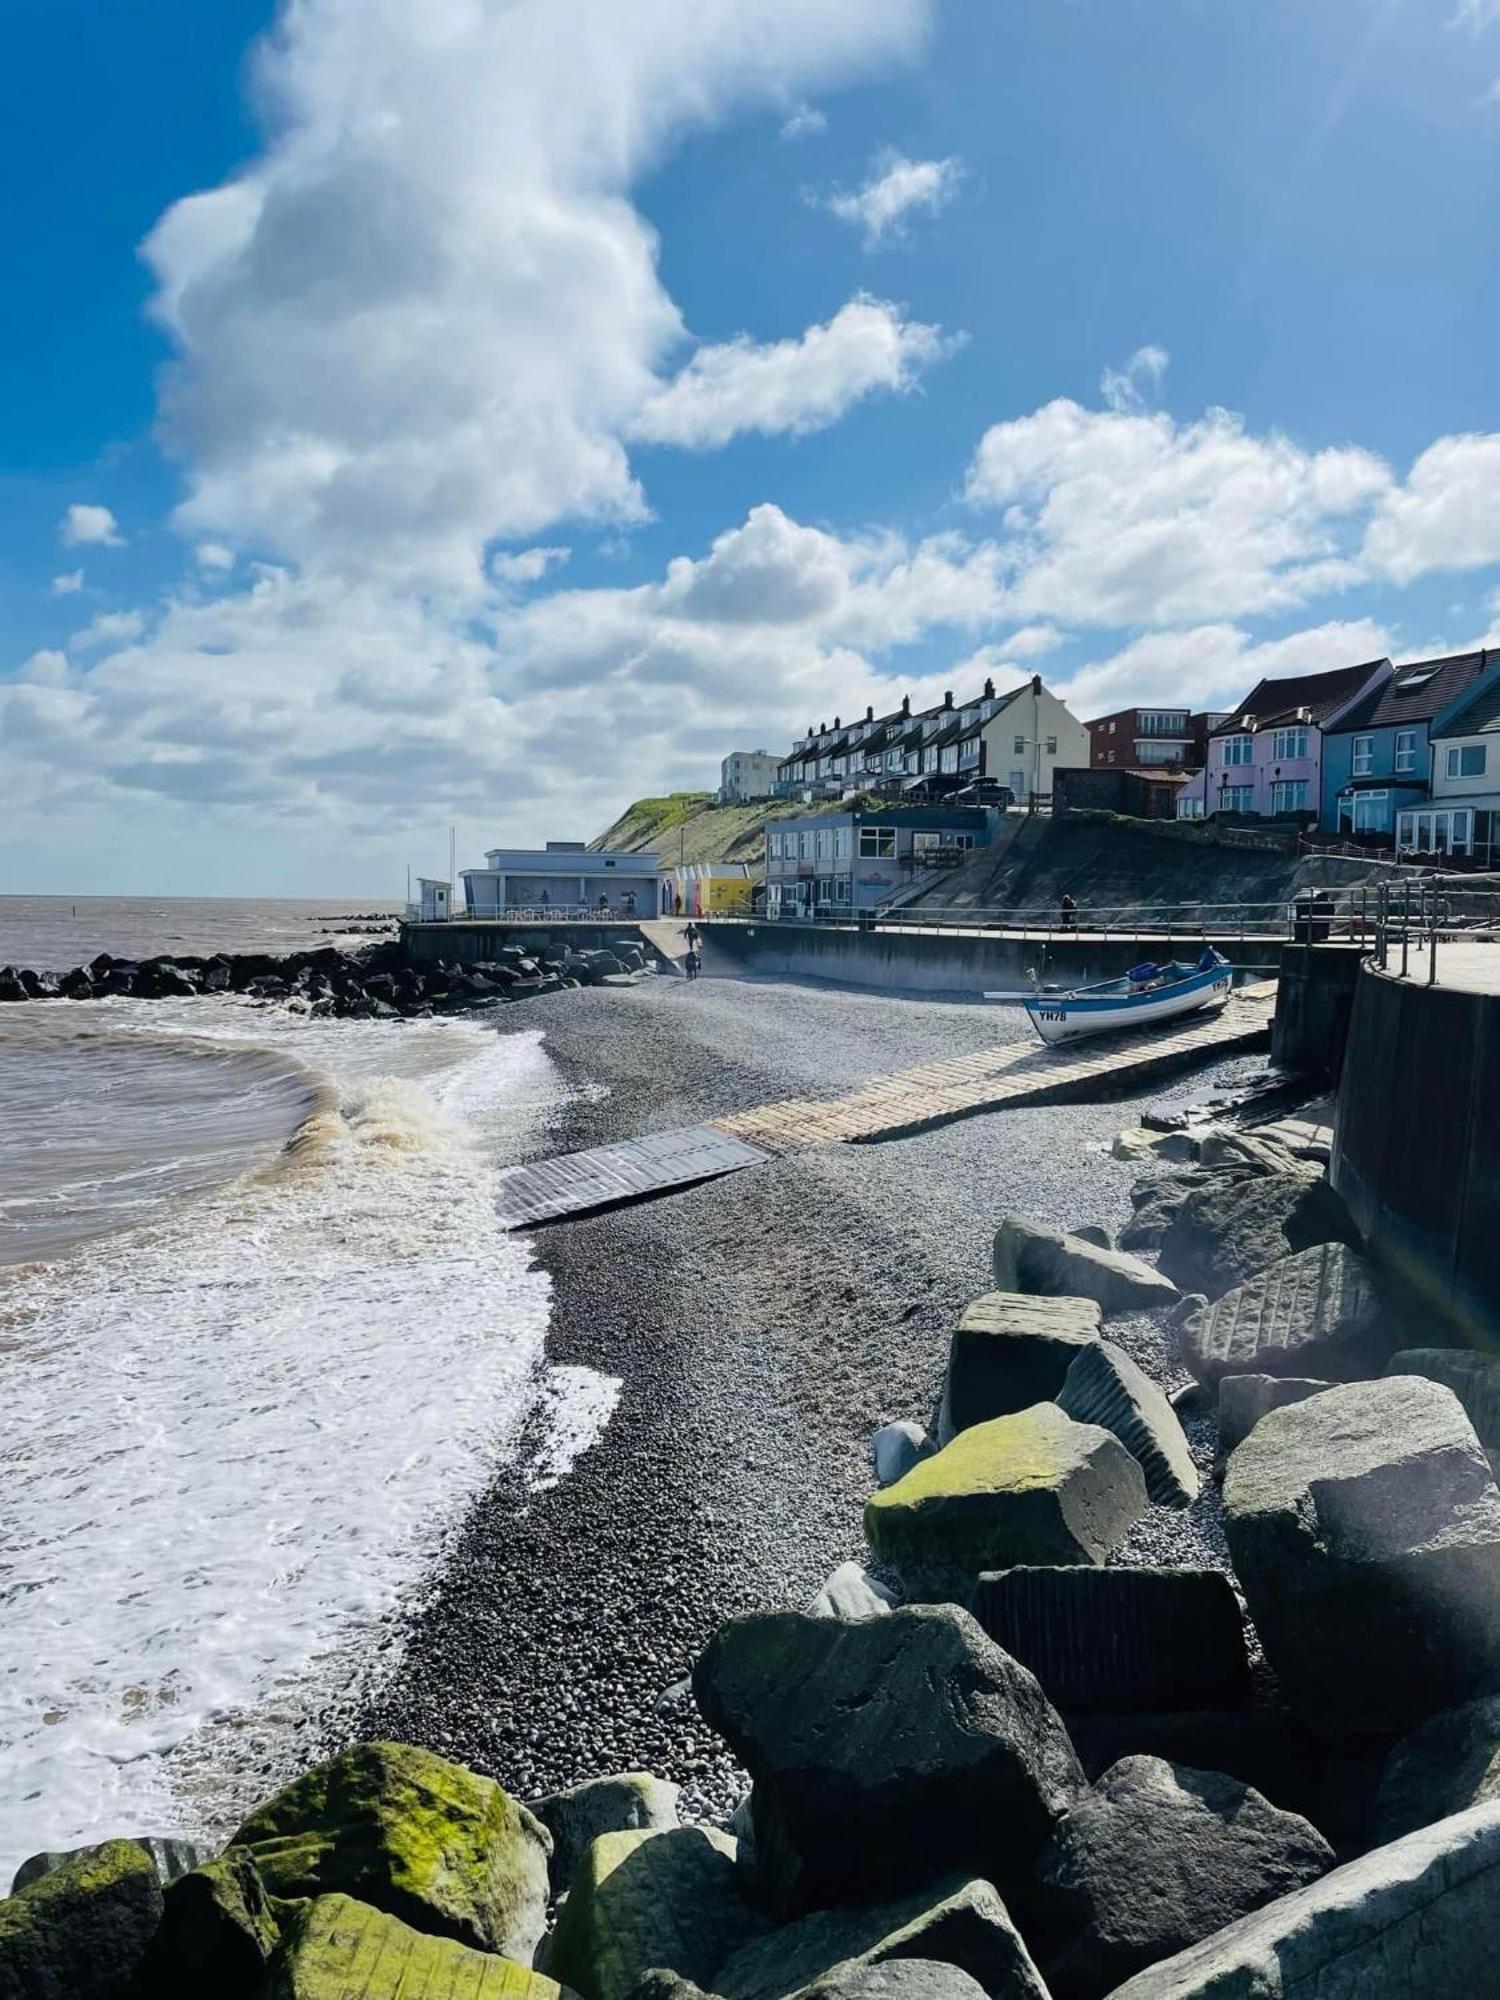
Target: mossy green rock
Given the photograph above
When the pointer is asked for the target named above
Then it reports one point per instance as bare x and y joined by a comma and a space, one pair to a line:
442, 1848
644, 1900
1034, 1487
338, 1949
218, 1931
82, 1930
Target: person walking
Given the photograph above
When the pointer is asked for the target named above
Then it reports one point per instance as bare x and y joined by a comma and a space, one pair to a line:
693, 935
691, 965
1068, 910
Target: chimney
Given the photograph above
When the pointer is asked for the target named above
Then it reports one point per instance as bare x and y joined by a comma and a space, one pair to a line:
906, 704
948, 698
989, 690
870, 713
1036, 684
836, 723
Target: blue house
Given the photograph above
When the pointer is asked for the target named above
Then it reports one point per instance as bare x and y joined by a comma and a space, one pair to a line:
1377, 758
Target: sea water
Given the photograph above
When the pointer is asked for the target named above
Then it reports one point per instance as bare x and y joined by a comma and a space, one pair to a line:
261, 1340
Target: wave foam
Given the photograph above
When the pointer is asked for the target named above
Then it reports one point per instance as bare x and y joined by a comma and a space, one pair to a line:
232, 1440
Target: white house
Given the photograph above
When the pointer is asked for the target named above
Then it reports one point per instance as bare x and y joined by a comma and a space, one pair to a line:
566, 877
1463, 814
747, 774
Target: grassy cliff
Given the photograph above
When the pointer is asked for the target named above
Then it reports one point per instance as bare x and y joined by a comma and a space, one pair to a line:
688, 826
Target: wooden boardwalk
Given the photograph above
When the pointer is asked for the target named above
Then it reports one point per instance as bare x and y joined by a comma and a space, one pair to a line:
915, 1100
891, 1107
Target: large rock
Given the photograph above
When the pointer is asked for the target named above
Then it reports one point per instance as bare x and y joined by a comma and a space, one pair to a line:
1155, 1202
1365, 1527
1035, 1487
1245, 1399
1236, 1225
335, 1948
1473, 1378
82, 1930
642, 1900
1010, 1350
1029, 1258
1447, 1764
896, 1448
173, 1857
898, 1979
632, 1802
962, 1923
1156, 1857
1405, 1922
445, 1850
1121, 1639
885, 1750
851, 1592
1105, 1387
1264, 1747
218, 1933
1313, 1314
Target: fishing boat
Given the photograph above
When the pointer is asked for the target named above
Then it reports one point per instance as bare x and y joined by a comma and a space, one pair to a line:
1147, 994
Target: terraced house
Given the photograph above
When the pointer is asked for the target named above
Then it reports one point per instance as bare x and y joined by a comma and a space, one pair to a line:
1461, 817
1377, 757
1267, 759
1015, 740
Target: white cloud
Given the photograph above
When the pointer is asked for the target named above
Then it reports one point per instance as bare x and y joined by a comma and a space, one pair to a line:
1476, 13
1447, 514
109, 628
805, 122
898, 188
522, 566
1031, 641
428, 314
45, 669
214, 556
69, 584
1215, 666
1124, 518
1133, 386
790, 387
84, 524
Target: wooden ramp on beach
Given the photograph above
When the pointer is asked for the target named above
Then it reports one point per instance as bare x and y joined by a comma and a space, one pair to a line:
890, 1107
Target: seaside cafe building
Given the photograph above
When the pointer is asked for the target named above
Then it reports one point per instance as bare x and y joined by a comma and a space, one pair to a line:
853, 858
563, 878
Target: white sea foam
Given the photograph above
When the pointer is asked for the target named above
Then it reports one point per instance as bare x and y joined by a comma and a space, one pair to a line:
231, 1441
576, 1405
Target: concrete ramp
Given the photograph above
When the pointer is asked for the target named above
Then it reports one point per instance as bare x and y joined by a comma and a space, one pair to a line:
667, 937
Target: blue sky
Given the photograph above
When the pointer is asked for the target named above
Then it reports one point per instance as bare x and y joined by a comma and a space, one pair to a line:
489, 412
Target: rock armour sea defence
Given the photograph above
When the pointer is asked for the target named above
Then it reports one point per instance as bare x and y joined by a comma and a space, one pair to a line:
1104, 1386
885, 1750
1364, 1525
1114, 1640
1315, 1314
1035, 1487
1029, 1258
1008, 1351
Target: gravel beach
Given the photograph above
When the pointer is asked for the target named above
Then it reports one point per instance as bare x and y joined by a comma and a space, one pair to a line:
762, 1326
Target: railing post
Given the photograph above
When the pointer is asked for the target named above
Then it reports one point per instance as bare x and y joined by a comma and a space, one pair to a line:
1433, 941
1405, 927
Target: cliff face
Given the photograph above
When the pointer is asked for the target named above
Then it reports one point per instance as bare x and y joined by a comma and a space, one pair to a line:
688, 826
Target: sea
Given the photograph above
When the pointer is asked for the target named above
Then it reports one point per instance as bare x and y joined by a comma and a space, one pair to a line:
262, 1341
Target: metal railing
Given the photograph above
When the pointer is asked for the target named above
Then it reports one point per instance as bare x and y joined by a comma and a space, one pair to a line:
1416, 917
541, 913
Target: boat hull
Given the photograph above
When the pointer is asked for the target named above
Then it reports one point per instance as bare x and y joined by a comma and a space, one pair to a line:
1067, 1017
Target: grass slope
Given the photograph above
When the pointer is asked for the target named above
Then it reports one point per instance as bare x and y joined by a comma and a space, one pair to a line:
688, 826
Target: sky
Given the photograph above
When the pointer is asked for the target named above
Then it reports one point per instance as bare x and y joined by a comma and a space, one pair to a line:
484, 413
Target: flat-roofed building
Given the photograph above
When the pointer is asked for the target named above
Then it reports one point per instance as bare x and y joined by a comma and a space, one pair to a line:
564, 876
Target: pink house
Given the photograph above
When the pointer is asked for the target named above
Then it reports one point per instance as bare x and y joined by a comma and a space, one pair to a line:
1268, 757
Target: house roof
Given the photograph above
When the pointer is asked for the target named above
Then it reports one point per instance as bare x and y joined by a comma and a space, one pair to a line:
1416, 692
1481, 714
1320, 694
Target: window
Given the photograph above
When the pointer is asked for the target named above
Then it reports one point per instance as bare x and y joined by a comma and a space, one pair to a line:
1020, 746
1189, 808
843, 843
773, 846
1289, 795
1371, 812
825, 843
950, 757
1238, 749
1237, 799
1362, 760
1406, 749
1051, 746
877, 843
843, 889
1466, 760
805, 845
1289, 743
923, 843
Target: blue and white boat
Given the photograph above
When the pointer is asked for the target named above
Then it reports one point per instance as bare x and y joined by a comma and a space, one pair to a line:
1147, 994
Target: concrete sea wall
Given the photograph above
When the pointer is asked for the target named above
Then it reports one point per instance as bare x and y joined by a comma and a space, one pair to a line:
1415, 1153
